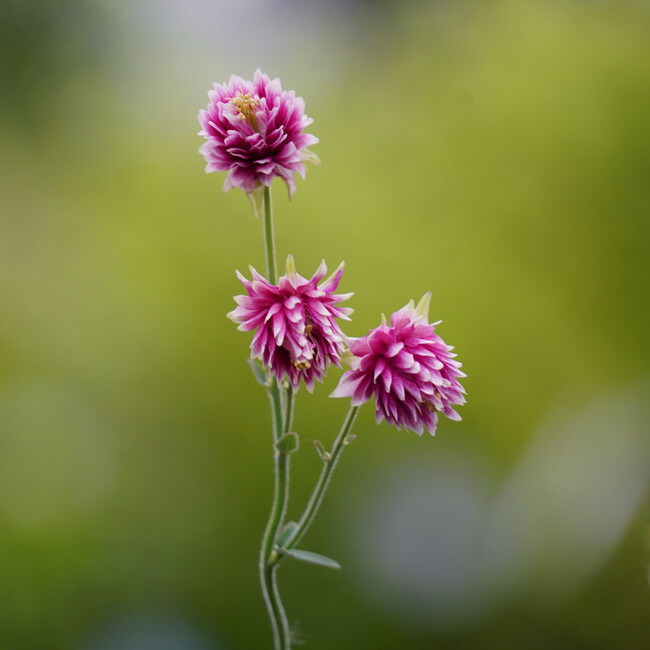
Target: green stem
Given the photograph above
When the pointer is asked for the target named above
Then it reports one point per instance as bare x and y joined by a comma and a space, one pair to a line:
268, 568
275, 397
281, 631
282, 414
269, 239
324, 479
289, 403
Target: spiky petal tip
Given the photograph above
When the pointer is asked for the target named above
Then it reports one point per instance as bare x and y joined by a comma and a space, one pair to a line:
254, 130
411, 372
297, 335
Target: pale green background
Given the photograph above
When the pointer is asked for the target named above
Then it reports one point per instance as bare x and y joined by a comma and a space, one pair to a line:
495, 153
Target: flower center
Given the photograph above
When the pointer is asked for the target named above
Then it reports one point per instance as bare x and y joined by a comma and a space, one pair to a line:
245, 106
302, 365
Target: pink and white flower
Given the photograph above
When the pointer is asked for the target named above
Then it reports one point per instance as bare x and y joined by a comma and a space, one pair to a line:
296, 331
408, 368
254, 131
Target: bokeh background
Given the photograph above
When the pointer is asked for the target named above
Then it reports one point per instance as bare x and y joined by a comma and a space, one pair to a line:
496, 153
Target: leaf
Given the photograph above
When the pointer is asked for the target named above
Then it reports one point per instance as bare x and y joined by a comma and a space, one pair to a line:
311, 558
258, 372
256, 198
286, 533
288, 443
320, 448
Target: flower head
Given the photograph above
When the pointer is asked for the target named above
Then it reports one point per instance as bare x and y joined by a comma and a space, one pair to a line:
254, 131
409, 369
296, 333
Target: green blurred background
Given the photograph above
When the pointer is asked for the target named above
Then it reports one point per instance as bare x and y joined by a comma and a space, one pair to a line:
495, 153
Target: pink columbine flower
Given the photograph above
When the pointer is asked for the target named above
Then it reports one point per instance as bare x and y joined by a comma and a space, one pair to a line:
296, 333
409, 369
254, 131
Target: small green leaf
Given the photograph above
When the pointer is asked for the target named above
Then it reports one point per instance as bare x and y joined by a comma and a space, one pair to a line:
288, 443
320, 448
286, 533
258, 372
256, 198
311, 558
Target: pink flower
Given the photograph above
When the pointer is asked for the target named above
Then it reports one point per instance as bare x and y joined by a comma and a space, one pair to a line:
409, 369
254, 131
296, 333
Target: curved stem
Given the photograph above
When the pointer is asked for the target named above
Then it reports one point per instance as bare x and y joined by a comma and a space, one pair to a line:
281, 632
282, 412
324, 479
268, 571
283, 419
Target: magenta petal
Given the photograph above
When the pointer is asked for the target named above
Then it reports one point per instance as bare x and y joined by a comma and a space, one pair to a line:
393, 349
254, 130
410, 371
297, 335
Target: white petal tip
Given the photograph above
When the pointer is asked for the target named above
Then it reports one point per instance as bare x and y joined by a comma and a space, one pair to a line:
291, 265
422, 310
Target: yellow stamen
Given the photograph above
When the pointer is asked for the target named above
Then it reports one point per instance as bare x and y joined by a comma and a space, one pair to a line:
246, 105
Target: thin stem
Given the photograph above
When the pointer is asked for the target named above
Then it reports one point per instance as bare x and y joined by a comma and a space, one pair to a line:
268, 558
324, 479
281, 631
289, 403
268, 573
282, 414
275, 398
269, 239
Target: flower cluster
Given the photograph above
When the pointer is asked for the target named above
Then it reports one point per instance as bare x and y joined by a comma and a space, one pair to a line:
296, 335
254, 131
408, 368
